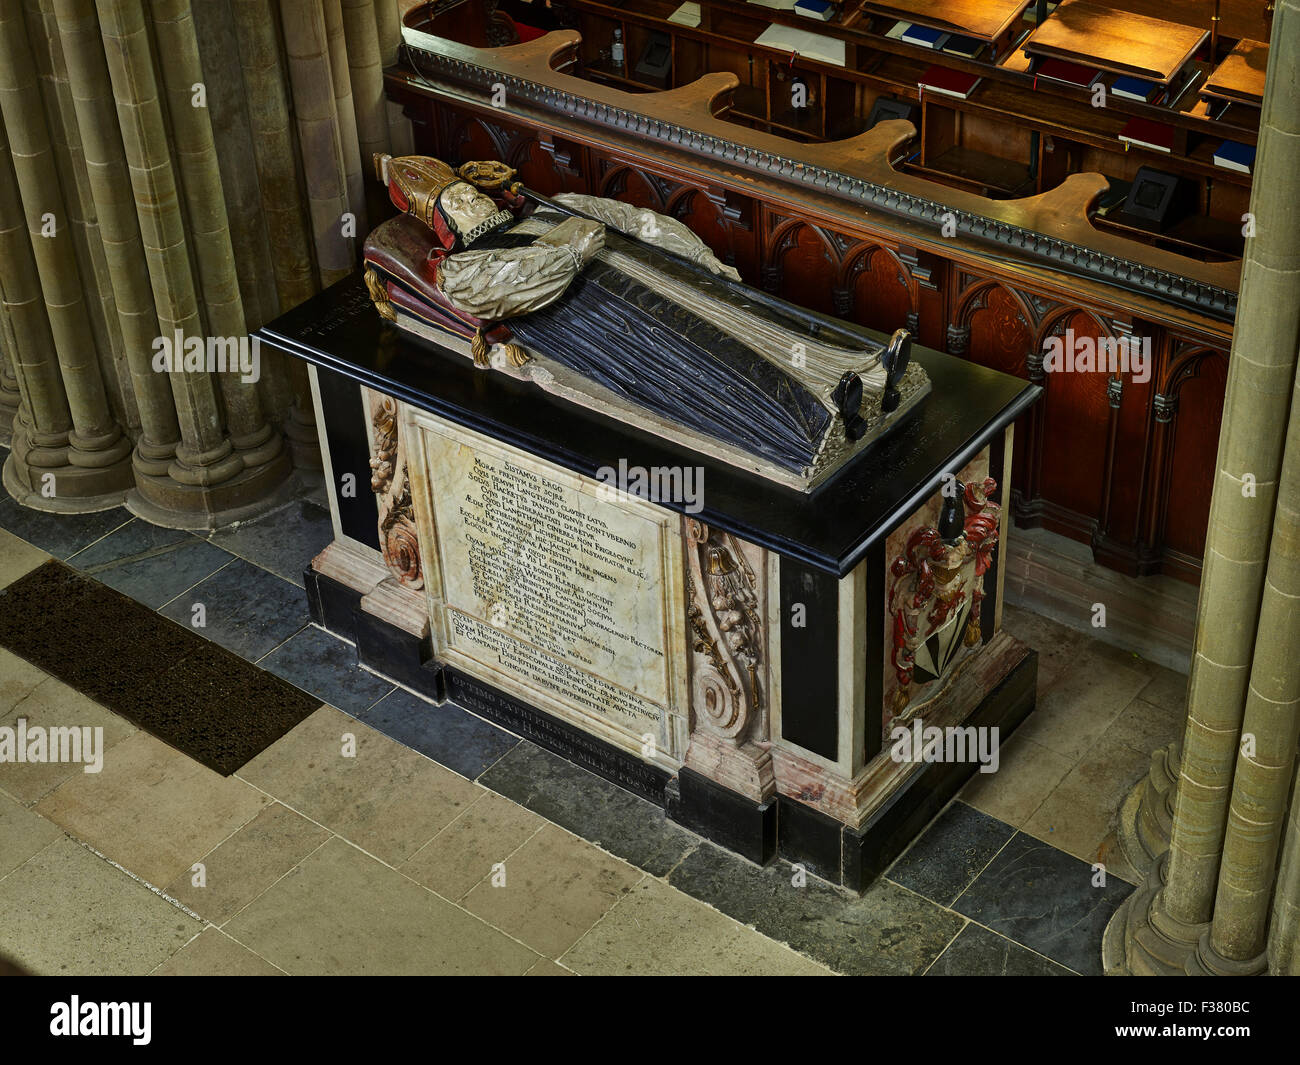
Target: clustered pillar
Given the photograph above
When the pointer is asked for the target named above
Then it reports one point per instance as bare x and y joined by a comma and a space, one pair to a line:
1205, 905
118, 235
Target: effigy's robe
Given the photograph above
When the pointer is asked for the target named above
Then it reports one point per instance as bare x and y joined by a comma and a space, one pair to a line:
689, 348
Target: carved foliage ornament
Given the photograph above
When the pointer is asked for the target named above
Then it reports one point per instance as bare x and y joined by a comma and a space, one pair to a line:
937, 580
726, 633
398, 541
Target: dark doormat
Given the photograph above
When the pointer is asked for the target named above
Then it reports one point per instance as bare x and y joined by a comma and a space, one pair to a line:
189, 692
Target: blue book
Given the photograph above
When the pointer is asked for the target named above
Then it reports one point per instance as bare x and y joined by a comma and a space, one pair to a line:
818, 9
1135, 89
925, 36
1234, 156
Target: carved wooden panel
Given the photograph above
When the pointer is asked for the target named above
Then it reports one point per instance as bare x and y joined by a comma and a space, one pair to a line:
1197, 390
878, 284
807, 262
1076, 414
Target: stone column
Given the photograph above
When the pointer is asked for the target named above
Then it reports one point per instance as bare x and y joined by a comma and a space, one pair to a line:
1284, 931
99, 453
388, 23
110, 188
1261, 785
251, 434
1160, 927
42, 421
205, 456
278, 173
315, 109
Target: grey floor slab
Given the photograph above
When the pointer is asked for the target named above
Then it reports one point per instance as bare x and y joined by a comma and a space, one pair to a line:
326, 667
1046, 899
151, 564
978, 952
591, 807
448, 734
62, 535
283, 541
245, 608
953, 851
886, 931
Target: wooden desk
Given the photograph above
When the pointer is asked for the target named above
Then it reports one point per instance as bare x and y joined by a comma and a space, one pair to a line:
1240, 77
1238, 18
1088, 33
985, 20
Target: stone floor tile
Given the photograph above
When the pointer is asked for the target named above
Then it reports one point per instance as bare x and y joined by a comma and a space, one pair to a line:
152, 809
448, 734
546, 967
326, 667
22, 834
1083, 810
242, 867
62, 535
53, 704
463, 853
978, 952
1027, 774
556, 887
1074, 711
951, 853
66, 912
17, 557
213, 954
591, 807
887, 931
659, 931
18, 678
151, 564
245, 609
341, 911
1145, 726
1168, 689
283, 541
1043, 898
386, 799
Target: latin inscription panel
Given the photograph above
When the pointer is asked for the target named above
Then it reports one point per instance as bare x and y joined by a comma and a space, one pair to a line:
561, 590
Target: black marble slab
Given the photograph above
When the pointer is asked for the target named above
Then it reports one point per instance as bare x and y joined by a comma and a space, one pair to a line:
830, 529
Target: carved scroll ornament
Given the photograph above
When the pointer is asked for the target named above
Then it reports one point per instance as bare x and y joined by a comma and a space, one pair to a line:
398, 541
726, 630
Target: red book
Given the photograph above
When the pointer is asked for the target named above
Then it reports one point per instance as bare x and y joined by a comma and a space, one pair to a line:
1067, 73
1147, 134
949, 82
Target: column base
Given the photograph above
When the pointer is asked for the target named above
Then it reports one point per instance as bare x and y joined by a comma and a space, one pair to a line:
1141, 939
77, 489
1209, 962
1147, 815
202, 508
